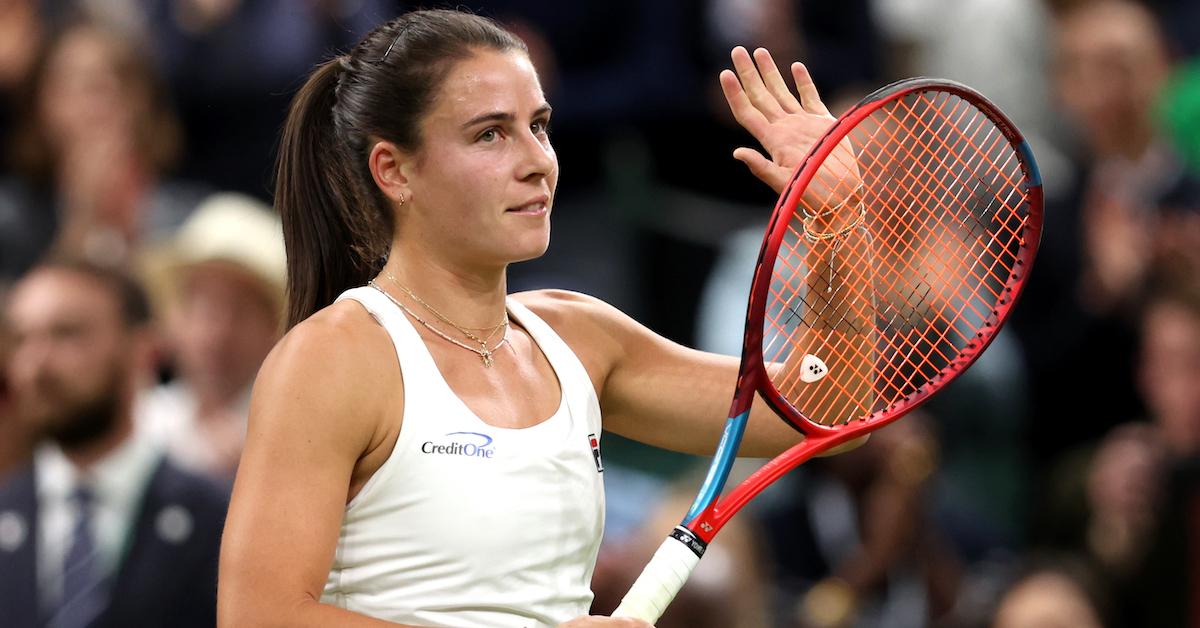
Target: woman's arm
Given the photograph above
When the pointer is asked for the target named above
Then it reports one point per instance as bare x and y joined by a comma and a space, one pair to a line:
651, 389
318, 407
664, 394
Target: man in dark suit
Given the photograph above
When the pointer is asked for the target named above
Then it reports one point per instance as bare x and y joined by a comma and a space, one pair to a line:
100, 529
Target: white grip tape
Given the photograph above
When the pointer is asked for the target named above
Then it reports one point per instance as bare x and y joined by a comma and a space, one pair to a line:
659, 582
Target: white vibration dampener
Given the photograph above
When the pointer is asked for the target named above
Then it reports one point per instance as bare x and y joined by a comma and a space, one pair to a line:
812, 369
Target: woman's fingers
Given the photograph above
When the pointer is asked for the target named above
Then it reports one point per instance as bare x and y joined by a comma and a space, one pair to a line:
774, 81
743, 110
784, 124
753, 86
765, 169
810, 99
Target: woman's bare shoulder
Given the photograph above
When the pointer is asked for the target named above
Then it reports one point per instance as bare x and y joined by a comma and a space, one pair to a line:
343, 334
573, 315
565, 306
597, 332
339, 363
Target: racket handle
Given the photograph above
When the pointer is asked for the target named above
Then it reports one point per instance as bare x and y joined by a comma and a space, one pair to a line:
662, 579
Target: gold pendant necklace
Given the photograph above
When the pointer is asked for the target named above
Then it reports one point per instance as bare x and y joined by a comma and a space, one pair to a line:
483, 352
466, 331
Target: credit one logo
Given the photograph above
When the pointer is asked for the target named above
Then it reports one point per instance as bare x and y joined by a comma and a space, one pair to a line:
469, 444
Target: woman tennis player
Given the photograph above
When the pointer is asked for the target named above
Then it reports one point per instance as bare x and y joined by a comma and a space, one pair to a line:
423, 447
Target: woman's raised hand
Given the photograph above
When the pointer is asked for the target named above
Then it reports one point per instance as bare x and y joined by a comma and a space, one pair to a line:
786, 124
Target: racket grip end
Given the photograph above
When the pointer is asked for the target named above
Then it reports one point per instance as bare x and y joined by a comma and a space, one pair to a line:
663, 577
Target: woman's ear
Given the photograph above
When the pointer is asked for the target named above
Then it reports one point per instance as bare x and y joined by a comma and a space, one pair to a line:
387, 168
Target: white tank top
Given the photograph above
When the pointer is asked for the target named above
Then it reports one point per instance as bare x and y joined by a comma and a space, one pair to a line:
467, 524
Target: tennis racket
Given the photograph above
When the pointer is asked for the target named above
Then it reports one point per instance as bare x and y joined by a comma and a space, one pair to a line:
895, 253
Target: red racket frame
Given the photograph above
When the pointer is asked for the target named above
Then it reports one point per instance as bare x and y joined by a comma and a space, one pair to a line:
753, 376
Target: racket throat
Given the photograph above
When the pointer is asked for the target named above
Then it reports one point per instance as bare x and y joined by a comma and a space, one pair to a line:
718, 472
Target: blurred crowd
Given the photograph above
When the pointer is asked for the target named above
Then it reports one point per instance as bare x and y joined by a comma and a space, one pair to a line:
1057, 483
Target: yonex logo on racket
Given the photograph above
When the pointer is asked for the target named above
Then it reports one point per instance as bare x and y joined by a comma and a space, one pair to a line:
472, 448
812, 369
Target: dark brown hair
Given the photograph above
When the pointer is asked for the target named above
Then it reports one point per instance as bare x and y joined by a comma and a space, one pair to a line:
337, 225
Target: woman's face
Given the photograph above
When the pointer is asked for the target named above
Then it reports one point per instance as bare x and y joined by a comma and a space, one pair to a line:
483, 183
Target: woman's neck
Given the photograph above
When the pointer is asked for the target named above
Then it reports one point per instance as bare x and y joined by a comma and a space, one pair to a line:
469, 297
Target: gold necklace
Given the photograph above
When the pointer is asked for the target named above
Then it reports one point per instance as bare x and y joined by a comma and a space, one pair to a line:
466, 331
484, 353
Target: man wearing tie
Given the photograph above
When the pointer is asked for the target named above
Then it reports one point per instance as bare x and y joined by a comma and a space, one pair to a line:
100, 530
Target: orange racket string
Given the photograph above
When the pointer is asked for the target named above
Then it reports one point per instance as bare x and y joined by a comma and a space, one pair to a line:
941, 239
787, 374
993, 133
930, 150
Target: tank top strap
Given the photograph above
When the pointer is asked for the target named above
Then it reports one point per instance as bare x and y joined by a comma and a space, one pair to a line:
583, 399
416, 364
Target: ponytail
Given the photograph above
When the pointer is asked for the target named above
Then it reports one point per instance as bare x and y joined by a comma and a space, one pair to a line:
330, 229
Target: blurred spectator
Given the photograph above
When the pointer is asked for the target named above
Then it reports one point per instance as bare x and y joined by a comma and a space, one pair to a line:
232, 66
1165, 575
1123, 489
224, 277
100, 530
20, 36
1109, 504
1078, 315
1169, 368
95, 136
1055, 593
1112, 67
15, 443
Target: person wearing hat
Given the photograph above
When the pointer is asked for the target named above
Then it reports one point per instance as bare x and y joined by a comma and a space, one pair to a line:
222, 280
